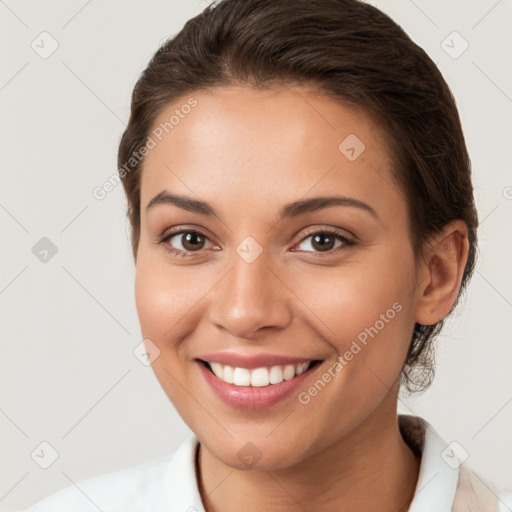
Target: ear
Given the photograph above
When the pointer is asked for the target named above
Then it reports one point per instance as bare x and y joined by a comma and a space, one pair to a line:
441, 274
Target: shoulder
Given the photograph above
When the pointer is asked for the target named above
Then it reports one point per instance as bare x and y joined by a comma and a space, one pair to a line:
476, 493
138, 488
127, 487
444, 481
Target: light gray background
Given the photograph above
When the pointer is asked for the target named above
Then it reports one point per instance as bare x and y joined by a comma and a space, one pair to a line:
69, 325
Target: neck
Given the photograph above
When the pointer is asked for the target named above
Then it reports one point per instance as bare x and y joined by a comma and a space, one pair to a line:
370, 469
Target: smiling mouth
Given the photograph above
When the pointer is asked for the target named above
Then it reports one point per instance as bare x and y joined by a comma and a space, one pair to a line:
258, 377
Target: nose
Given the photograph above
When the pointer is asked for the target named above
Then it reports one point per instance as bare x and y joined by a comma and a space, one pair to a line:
250, 300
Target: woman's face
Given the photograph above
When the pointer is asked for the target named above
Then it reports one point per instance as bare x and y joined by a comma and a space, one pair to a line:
260, 270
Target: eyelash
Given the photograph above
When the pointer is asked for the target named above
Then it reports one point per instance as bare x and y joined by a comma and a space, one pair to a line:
331, 232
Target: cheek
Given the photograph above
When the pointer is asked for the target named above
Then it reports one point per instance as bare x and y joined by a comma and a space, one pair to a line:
165, 307
170, 306
166, 300
153, 299
364, 312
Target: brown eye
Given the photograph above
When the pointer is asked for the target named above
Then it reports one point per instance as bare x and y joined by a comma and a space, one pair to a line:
324, 242
191, 241
183, 242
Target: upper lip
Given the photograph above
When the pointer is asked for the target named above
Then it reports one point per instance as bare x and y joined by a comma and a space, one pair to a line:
253, 361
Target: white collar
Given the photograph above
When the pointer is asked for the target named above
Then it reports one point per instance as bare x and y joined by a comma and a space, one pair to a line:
182, 470
437, 479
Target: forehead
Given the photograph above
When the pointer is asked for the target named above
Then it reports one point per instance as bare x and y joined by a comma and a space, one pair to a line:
268, 148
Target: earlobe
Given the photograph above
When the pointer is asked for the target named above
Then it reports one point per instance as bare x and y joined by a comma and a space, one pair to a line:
444, 265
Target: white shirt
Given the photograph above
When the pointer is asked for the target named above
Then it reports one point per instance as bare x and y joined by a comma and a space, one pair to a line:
170, 484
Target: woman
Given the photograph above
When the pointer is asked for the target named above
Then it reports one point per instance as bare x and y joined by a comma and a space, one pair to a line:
302, 215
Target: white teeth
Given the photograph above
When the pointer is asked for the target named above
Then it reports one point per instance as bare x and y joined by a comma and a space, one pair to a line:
227, 375
301, 368
259, 377
276, 375
242, 377
217, 369
289, 372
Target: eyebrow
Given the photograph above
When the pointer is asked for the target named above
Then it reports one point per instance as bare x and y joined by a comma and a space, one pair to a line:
288, 211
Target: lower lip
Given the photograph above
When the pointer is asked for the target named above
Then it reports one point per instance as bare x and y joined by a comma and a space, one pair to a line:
249, 397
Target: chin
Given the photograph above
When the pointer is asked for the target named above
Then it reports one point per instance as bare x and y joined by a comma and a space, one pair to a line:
256, 452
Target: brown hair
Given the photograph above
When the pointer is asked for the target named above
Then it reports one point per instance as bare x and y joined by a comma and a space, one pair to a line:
352, 52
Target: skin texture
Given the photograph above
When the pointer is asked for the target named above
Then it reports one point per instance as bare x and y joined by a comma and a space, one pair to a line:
248, 153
